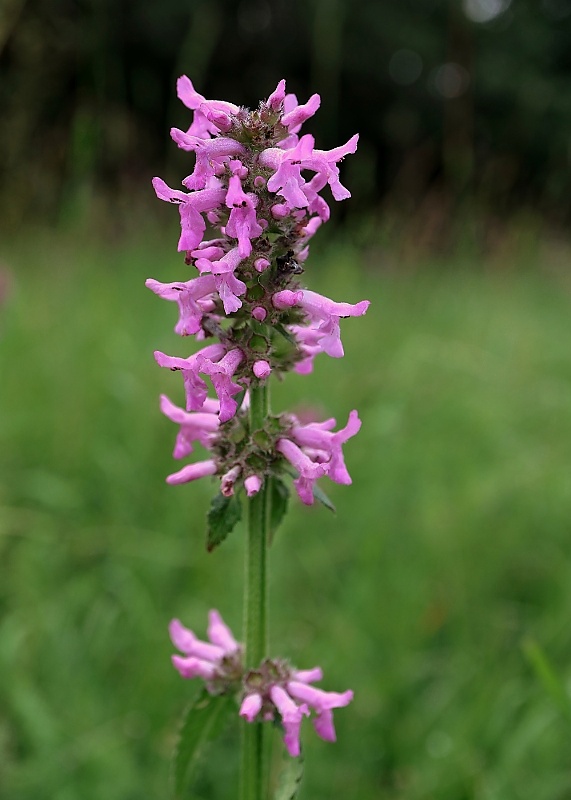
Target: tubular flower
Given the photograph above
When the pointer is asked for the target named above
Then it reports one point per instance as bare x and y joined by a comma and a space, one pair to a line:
218, 662
277, 688
248, 211
274, 690
315, 450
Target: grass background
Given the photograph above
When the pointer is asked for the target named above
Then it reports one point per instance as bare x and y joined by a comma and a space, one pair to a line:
448, 560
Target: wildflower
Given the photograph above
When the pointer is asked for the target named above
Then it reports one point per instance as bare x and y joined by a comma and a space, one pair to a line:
277, 688
218, 662
194, 426
258, 181
273, 689
193, 297
308, 470
195, 388
221, 372
314, 451
319, 437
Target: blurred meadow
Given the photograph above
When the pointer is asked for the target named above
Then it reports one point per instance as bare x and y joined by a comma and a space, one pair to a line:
441, 589
448, 554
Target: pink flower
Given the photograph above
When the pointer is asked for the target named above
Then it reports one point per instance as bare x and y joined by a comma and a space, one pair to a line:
321, 702
195, 388
261, 264
286, 299
221, 372
192, 472
294, 118
261, 369
242, 223
288, 164
215, 362
194, 427
314, 450
252, 485
205, 111
291, 715
325, 162
319, 437
229, 479
324, 315
251, 706
309, 471
290, 694
259, 313
191, 207
215, 661
277, 96
211, 156
228, 286
272, 688
188, 295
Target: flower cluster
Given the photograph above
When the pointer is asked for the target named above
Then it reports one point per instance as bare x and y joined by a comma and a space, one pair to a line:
275, 688
313, 449
255, 188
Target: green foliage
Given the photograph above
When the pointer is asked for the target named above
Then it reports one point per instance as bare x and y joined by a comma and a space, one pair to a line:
203, 722
223, 515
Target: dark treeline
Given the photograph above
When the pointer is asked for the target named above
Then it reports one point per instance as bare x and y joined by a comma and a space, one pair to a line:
470, 98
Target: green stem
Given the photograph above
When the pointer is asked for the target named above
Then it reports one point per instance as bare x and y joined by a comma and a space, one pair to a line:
256, 608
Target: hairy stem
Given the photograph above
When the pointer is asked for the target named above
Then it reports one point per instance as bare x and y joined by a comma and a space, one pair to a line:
256, 608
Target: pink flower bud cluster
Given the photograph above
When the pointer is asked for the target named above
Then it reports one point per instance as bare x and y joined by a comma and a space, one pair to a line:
273, 689
250, 207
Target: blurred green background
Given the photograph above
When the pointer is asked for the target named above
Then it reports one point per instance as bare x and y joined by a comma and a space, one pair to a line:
441, 590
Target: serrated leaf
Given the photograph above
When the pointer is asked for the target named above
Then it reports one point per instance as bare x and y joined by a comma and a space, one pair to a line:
279, 495
320, 495
224, 513
203, 721
290, 779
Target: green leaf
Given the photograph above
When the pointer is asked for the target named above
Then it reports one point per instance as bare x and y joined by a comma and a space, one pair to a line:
224, 513
203, 721
290, 779
279, 495
320, 495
